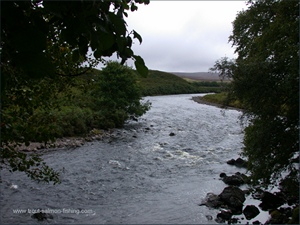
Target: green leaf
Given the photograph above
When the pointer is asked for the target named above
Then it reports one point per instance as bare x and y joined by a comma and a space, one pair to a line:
106, 41
138, 36
133, 8
118, 23
140, 66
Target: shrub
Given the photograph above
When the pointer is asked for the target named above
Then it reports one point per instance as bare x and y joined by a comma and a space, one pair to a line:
64, 121
117, 95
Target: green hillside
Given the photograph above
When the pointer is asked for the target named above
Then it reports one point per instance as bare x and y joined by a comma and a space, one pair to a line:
163, 83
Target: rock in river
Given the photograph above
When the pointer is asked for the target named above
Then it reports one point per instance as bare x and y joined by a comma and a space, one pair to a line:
270, 201
233, 197
250, 211
223, 215
239, 162
212, 200
235, 179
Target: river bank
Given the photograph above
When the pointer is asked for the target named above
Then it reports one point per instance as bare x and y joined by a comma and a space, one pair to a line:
95, 134
68, 142
200, 100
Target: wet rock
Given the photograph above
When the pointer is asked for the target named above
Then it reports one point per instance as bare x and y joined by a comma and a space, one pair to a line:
239, 162
172, 134
235, 180
247, 192
231, 162
270, 201
42, 216
250, 212
257, 193
224, 215
233, 221
209, 217
233, 197
212, 200
88, 139
245, 178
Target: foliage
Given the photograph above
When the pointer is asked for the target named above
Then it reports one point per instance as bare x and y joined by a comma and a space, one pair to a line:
210, 86
117, 94
42, 37
18, 105
44, 44
224, 67
266, 81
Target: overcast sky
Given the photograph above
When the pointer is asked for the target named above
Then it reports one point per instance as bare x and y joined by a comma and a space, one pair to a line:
184, 36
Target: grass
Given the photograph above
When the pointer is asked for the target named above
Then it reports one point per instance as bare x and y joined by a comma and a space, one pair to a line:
222, 99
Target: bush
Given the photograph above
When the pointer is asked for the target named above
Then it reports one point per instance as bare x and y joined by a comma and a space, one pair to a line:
117, 95
63, 122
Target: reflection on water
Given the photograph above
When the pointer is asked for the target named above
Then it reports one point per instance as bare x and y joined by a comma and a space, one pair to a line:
141, 174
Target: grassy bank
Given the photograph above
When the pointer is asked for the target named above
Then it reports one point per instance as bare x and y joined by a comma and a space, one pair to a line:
222, 100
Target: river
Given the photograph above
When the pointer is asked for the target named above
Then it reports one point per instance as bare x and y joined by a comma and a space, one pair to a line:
156, 170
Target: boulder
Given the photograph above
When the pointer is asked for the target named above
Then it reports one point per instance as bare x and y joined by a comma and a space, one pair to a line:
250, 211
233, 221
209, 217
239, 162
270, 201
224, 215
235, 180
212, 201
231, 162
233, 197
172, 134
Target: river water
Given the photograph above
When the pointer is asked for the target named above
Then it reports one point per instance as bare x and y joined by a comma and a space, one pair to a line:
140, 174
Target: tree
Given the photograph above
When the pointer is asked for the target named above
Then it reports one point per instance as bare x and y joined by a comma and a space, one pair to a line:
117, 95
33, 30
266, 81
44, 44
224, 67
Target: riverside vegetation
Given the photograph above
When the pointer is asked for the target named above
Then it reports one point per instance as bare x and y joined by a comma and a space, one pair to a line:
101, 100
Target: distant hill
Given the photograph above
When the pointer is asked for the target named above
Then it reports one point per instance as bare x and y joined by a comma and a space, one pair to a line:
163, 83
205, 76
